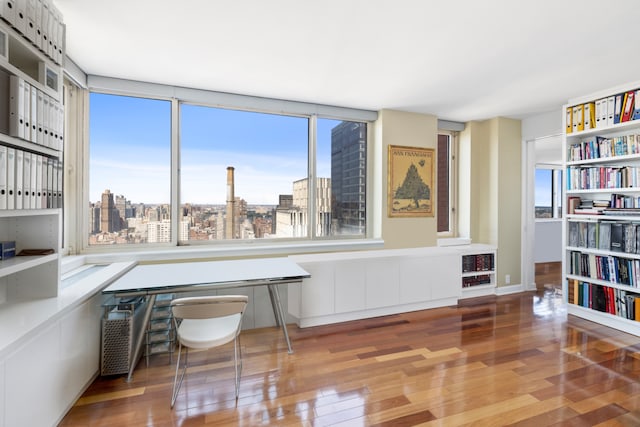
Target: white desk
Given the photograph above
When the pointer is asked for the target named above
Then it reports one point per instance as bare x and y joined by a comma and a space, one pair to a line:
153, 279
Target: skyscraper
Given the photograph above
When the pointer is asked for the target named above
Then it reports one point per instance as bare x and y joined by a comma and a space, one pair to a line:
109, 215
348, 178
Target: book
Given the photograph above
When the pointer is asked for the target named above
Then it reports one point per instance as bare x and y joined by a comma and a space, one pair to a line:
572, 203
617, 236
627, 106
604, 240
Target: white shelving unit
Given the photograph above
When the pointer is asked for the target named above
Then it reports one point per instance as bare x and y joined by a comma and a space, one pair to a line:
30, 277
598, 277
478, 270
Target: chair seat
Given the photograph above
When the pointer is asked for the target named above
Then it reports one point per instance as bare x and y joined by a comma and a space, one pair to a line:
207, 333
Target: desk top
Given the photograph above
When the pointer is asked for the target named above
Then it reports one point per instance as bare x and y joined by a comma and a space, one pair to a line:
159, 278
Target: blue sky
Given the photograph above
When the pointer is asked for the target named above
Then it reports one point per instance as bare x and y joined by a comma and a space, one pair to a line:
130, 151
543, 187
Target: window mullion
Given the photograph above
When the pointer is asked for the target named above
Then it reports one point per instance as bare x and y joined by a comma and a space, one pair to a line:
311, 201
175, 175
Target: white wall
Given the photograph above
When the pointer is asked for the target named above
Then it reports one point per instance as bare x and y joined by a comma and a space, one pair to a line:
545, 128
548, 241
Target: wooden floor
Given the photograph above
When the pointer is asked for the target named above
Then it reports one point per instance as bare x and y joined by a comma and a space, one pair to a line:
491, 361
548, 274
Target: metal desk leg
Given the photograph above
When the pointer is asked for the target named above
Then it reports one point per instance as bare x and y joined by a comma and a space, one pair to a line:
274, 306
277, 308
151, 300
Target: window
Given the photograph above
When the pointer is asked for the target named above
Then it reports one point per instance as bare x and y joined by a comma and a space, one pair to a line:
242, 174
237, 174
130, 170
445, 182
342, 178
548, 193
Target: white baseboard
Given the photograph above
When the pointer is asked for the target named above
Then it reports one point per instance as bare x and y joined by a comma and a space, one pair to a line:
511, 289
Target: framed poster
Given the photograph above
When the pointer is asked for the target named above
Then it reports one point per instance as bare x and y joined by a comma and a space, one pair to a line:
410, 181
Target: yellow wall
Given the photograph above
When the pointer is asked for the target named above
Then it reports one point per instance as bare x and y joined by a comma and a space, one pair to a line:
490, 190
413, 130
509, 147
489, 179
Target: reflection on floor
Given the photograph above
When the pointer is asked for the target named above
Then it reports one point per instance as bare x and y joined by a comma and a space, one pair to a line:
491, 361
548, 274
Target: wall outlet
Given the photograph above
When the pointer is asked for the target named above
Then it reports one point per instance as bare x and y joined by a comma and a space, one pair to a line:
507, 279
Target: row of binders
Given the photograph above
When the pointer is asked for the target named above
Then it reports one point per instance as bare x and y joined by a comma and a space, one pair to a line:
35, 116
40, 22
601, 177
598, 147
29, 180
603, 112
605, 299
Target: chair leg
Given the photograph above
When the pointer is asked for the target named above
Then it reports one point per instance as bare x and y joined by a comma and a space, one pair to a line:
237, 356
176, 389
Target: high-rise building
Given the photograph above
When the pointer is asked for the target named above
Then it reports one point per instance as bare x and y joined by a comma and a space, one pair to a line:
348, 177
109, 215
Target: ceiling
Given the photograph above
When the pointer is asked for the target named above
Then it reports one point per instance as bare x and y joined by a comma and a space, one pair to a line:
461, 60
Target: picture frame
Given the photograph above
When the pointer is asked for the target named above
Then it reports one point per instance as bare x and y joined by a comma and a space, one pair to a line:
410, 181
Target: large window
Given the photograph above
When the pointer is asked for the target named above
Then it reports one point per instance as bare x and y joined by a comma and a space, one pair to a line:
237, 174
130, 170
240, 174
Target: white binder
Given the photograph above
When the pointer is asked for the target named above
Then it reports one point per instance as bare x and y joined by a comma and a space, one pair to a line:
16, 106
27, 111
38, 21
54, 184
49, 183
45, 120
31, 20
20, 22
26, 181
19, 169
11, 178
3, 177
33, 198
50, 27
57, 122
8, 11
59, 184
44, 23
43, 183
611, 109
61, 38
38, 182
33, 115
40, 115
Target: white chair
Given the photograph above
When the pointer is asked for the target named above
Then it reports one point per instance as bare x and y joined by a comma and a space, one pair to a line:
207, 322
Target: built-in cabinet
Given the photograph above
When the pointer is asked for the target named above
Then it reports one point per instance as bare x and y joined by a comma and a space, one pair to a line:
355, 285
601, 258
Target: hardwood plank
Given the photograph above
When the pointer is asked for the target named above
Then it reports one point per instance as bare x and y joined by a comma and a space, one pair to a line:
501, 360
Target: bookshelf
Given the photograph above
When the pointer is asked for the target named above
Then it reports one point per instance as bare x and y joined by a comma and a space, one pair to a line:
601, 227
31, 149
478, 274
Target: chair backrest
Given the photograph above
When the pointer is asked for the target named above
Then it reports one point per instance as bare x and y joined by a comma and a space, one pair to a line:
207, 307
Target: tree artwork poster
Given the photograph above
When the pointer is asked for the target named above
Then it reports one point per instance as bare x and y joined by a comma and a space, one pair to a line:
410, 180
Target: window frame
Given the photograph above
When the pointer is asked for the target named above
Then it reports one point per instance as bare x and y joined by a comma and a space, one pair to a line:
557, 172
453, 184
178, 96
